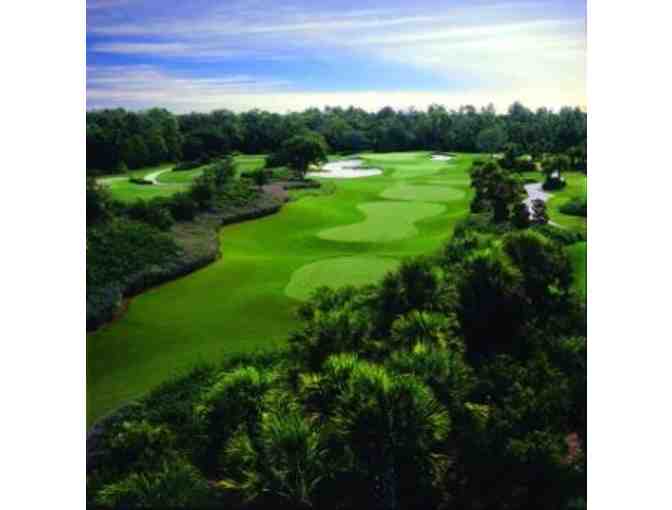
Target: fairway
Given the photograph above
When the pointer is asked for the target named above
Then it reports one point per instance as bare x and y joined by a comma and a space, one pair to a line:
337, 272
247, 299
169, 182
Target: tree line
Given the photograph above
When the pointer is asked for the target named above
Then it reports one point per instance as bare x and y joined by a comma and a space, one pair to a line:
119, 139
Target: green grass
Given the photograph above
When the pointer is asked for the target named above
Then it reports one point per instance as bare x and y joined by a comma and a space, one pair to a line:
337, 272
171, 182
240, 302
247, 299
383, 222
577, 185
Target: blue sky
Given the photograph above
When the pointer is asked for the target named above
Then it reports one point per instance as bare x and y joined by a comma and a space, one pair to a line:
290, 55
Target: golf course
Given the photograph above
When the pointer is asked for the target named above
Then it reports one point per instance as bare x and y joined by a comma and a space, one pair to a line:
246, 300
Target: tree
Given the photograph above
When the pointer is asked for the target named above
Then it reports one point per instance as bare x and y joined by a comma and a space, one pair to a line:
304, 150
496, 187
393, 426
97, 203
490, 140
521, 215
539, 214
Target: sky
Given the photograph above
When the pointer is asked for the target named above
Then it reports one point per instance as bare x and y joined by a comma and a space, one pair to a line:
284, 56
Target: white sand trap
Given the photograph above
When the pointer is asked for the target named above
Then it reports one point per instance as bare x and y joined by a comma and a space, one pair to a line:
441, 157
154, 176
345, 169
535, 191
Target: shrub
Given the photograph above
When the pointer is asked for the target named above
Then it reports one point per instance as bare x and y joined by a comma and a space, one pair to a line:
176, 484
285, 462
577, 206
412, 286
434, 329
151, 212
182, 207
539, 214
234, 400
124, 247
98, 203
341, 329
139, 444
559, 234
276, 159
520, 216
141, 181
554, 183
393, 428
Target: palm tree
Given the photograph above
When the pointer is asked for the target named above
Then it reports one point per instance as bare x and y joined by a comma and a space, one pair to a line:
394, 428
285, 462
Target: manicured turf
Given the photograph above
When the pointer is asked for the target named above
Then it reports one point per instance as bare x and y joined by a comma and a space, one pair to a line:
384, 222
242, 301
427, 193
336, 272
239, 303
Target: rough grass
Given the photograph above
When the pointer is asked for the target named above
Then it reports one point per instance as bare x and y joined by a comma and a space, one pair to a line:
337, 272
238, 303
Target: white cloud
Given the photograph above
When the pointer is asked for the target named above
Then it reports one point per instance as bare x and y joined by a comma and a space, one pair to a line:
499, 48
146, 87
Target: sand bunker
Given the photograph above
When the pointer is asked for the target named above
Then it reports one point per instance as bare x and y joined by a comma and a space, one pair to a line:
345, 169
535, 192
441, 157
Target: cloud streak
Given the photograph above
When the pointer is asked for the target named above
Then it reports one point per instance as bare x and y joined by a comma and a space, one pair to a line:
488, 47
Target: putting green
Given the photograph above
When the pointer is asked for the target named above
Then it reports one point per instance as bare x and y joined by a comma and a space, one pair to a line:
385, 221
425, 193
337, 272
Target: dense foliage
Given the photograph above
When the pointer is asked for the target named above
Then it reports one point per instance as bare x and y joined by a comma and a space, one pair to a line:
458, 381
127, 241
117, 139
577, 206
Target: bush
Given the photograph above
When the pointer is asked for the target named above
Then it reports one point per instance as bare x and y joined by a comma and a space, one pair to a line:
558, 234
577, 206
285, 462
141, 181
554, 183
122, 248
98, 203
276, 159
176, 484
152, 212
520, 215
539, 214
182, 207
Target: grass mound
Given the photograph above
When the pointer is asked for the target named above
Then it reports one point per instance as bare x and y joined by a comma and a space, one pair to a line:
337, 272
385, 221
